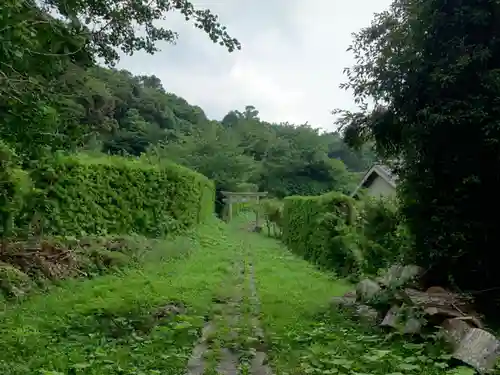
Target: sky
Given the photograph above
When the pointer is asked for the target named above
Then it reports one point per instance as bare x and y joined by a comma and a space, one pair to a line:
290, 65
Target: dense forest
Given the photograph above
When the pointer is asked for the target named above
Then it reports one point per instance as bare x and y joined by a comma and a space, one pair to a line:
135, 115
60, 92
115, 112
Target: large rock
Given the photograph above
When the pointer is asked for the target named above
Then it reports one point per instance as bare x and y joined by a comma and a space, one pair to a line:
399, 275
455, 329
403, 320
441, 304
347, 301
366, 290
367, 314
479, 349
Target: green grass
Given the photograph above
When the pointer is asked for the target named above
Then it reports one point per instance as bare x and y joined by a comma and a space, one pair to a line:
106, 326
100, 326
307, 337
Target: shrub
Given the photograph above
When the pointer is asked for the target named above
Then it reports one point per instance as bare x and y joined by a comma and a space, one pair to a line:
319, 229
246, 187
386, 239
352, 239
105, 259
14, 186
272, 212
13, 282
78, 194
206, 206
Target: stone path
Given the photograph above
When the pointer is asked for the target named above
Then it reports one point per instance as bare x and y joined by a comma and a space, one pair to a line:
196, 364
233, 342
259, 361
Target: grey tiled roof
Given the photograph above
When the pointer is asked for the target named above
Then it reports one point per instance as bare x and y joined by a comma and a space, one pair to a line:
383, 171
387, 170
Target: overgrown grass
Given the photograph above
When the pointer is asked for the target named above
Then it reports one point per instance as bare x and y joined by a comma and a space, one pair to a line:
307, 337
106, 325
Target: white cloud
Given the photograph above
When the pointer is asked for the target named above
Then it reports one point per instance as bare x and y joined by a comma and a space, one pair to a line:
291, 62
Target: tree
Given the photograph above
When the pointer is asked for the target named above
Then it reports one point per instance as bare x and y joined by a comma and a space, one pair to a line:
118, 24
215, 153
43, 40
432, 68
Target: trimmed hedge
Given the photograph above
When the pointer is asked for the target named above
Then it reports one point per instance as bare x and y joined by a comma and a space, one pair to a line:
386, 236
337, 233
78, 194
318, 229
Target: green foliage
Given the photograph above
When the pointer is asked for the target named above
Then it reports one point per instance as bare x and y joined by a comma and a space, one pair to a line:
386, 238
318, 228
47, 47
14, 187
336, 233
272, 212
117, 24
335, 341
13, 282
282, 159
214, 152
112, 111
108, 324
439, 86
116, 323
304, 336
79, 194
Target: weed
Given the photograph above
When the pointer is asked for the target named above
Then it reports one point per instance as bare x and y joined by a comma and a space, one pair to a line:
106, 325
146, 320
305, 337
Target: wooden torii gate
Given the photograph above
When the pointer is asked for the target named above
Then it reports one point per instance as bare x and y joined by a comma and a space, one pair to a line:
237, 197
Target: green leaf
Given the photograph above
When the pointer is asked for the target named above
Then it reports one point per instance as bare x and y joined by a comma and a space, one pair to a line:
462, 370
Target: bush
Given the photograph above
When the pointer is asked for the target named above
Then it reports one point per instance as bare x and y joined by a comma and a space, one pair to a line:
105, 259
13, 282
15, 186
350, 238
272, 212
78, 194
386, 239
319, 229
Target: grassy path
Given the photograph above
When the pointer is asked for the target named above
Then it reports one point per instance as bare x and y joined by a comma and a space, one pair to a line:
222, 300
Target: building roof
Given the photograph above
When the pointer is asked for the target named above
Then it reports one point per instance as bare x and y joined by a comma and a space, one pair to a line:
382, 171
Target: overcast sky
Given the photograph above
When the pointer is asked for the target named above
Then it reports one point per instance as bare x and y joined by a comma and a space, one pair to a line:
290, 65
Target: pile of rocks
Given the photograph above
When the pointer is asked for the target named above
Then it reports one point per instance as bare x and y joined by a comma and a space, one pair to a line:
397, 301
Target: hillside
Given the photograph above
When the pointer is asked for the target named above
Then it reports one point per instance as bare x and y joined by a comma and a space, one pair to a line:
115, 112
55, 96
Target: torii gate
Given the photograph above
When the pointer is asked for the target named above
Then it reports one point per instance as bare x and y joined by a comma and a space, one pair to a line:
237, 197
